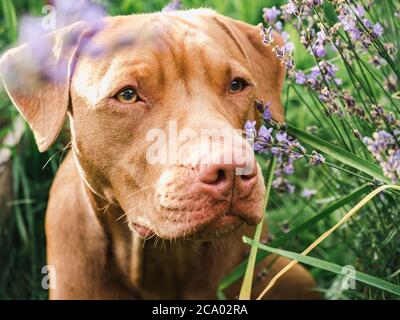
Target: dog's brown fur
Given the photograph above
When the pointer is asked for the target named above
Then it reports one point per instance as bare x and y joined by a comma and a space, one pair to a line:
181, 64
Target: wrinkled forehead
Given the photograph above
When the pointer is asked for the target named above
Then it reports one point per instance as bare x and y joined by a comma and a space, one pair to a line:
151, 43
161, 30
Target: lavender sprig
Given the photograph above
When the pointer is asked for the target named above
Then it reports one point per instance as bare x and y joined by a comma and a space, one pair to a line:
272, 138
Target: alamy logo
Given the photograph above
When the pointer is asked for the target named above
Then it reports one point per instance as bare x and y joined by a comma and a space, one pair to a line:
49, 19
49, 280
349, 279
229, 143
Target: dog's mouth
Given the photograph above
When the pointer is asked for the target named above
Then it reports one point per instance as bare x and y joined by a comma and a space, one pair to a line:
200, 229
142, 231
218, 228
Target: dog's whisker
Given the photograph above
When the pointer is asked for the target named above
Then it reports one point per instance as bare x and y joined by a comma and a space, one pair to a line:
127, 212
156, 242
152, 236
145, 188
105, 208
58, 152
130, 210
166, 222
69, 145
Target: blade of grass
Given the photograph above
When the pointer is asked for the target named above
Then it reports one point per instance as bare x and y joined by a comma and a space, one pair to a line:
10, 19
328, 266
339, 154
345, 218
238, 272
221, 296
323, 214
20, 223
245, 291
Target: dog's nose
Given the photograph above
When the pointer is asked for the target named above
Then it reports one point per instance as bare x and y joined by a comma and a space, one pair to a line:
220, 179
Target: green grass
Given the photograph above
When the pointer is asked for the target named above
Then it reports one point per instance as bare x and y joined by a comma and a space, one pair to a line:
370, 241
324, 265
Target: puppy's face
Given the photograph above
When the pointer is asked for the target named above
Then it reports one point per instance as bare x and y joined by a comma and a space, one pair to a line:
157, 101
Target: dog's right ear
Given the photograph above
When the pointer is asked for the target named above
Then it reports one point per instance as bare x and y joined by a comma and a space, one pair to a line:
37, 78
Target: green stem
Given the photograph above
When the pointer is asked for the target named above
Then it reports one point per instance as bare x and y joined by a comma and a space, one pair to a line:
245, 291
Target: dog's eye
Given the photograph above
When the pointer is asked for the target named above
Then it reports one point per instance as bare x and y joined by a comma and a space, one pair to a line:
127, 95
238, 85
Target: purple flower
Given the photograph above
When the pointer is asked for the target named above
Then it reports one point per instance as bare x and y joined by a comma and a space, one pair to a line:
319, 45
266, 33
359, 10
277, 182
250, 129
367, 23
289, 47
264, 134
290, 8
264, 140
317, 159
348, 22
275, 151
30, 28
321, 36
283, 147
329, 70
326, 96
282, 185
270, 14
266, 113
284, 54
308, 193
278, 26
315, 71
313, 3
173, 6
288, 168
281, 136
300, 77
285, 36
264, 110
348, 18
70, 11
377, 30
33, 30
320, 51
290, 188
355, 34
385, 150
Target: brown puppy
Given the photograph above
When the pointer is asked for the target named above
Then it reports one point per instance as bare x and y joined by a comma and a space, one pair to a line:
111, 206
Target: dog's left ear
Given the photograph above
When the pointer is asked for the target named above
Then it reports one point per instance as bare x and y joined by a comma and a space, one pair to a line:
267, 70
37, 76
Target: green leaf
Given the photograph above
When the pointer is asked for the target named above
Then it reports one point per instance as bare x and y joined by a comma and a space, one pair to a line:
329, 266
238, 272
10, 19
323, 214
339, 154
245, 291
